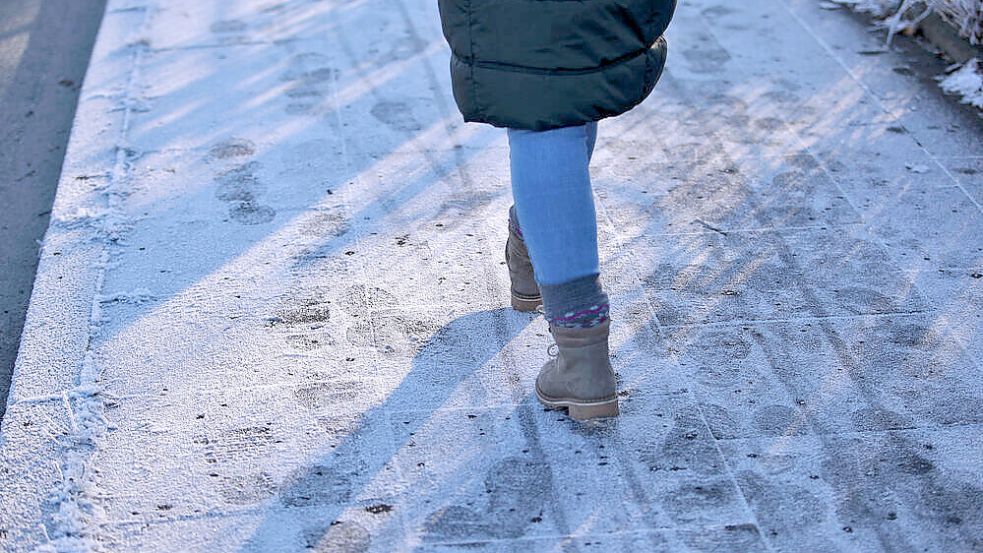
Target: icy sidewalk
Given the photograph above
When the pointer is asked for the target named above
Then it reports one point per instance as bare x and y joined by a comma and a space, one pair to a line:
271, 312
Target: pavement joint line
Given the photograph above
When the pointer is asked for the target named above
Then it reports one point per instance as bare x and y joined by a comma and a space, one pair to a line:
730, 231
407, 152
639, 495
82, 437
78, 391
195, 47
207, 390
813, 318
247, 511
737, 230
563, 538
505, 408
955, 180
860, 433
205, 515
953, 186
752, 516
829, 50
268, 506
953, 269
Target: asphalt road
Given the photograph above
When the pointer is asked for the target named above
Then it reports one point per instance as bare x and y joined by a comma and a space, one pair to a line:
44, 50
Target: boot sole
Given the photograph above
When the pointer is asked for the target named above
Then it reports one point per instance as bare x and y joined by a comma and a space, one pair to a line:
582, 410
520, 303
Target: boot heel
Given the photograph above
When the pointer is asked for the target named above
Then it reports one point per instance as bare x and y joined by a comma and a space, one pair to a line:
597, 411
526, 304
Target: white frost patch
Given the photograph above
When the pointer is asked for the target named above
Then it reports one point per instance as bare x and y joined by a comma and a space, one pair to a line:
140, 295
105, 219
966, 80
83, 214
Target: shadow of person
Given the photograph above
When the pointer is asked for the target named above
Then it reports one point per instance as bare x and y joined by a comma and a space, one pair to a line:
347, 498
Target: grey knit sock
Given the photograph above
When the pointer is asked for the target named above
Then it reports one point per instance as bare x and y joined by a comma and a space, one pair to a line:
579, 303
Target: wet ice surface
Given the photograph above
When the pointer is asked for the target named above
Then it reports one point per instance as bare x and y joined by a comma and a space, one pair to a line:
271, 310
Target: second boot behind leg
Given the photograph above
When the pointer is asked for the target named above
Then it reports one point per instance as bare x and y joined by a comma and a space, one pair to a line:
524, 290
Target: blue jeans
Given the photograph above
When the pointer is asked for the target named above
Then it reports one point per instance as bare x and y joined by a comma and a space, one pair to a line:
553, 200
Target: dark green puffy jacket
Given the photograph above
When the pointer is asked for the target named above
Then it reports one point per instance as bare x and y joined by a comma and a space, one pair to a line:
541, 64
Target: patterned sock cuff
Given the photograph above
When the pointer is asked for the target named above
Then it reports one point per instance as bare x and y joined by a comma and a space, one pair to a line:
580, 303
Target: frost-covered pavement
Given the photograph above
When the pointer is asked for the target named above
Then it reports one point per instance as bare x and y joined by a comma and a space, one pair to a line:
270, 312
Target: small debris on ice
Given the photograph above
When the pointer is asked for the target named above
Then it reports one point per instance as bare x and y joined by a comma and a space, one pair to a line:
918, 169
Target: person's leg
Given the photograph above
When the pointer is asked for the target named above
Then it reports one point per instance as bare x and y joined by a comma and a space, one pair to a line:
554, 203
553, 200
591, 139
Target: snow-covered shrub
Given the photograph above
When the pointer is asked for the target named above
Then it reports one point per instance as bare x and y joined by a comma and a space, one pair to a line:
900, 15
966, 80
965, 15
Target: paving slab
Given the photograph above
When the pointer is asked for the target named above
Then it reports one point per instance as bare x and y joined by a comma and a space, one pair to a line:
866, 492
272, 313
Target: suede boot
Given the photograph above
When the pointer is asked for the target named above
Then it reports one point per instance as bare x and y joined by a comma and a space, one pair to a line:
579, 375
525, 291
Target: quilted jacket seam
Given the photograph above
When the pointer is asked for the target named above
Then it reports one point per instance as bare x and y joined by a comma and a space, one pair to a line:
474, 82
516, 68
